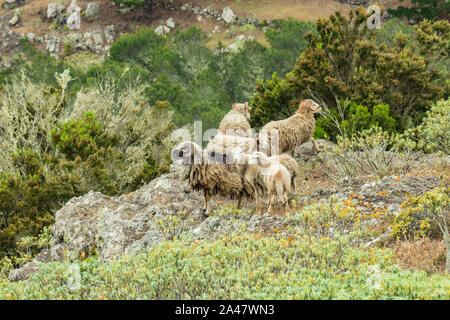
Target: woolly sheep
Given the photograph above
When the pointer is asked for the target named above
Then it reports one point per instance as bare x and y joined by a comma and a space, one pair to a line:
235, 122
290, 164
290, 132
276, 178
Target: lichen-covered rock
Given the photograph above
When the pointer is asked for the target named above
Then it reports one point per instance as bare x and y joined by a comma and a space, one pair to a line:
116, 225
306, 150
29, 268
14, 20
92, 11
228, 15
170, 23
162, 30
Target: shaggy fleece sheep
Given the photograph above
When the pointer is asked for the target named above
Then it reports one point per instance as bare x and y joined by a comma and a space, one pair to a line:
235, 122
289, 132
204, 174
276, 178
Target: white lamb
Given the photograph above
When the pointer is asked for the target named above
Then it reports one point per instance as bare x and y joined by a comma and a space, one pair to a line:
276, 178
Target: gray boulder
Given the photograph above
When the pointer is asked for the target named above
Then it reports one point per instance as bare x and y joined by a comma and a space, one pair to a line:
14, 20
92, 11
170, 23
228, 15
162, 30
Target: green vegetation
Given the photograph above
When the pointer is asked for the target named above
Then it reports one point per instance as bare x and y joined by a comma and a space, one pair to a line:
102, 139
423, 9
302, 261
70, 126
344, 61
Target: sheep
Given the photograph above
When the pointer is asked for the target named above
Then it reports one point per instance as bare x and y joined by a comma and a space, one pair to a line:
235, 122
276, 178
212, 178
290, 164
250, 172
290, 132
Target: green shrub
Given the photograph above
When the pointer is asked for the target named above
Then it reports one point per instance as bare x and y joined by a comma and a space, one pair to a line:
55, 148
423, 9
344, 61
235, 267
272, 101
419, 215
433, 134
371, 152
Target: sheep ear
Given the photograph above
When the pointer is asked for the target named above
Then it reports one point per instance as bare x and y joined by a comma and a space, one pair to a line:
302, 106
234, 106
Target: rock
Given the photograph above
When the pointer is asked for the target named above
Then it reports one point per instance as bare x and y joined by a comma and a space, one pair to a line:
92, 11
14, 20
29, 268
114, 226
162, 30
109, 33
31, 36
228, 15
240, 37
118, 225
307, 149
11, 1
199, 18
55, 11
235, 46
74, 16
52, 43
170, 23
97, 36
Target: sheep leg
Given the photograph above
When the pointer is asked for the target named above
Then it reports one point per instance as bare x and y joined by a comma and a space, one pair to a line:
207, 204
239, 202
316, 147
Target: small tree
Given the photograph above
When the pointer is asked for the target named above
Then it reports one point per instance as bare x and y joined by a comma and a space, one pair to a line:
417, 214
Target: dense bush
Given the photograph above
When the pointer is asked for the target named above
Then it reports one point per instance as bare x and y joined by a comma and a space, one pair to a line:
433, 134
371, 152
273, 101
425, 216
55, 148
353, 118
418, 215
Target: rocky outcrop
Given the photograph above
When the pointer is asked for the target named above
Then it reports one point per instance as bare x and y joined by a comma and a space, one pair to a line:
55, 12
112, 226
162, 30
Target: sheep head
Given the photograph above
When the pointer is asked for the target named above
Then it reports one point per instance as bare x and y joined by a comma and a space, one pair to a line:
187, 153
242, 108
308, 107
